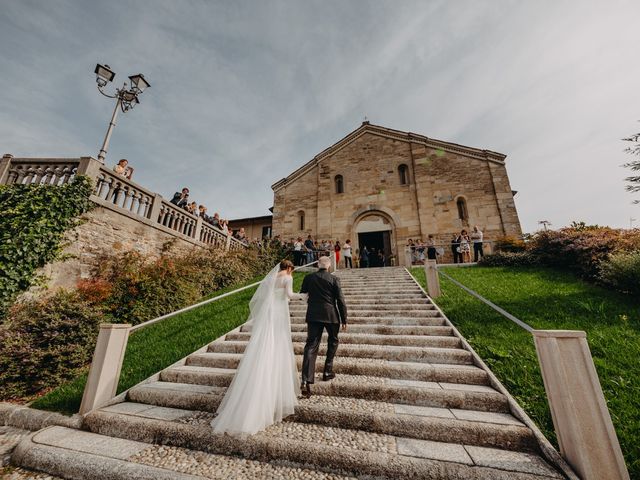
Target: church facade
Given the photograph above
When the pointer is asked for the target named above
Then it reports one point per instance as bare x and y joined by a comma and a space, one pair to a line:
380, 187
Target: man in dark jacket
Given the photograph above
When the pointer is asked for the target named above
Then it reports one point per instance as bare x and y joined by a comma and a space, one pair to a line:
326, 310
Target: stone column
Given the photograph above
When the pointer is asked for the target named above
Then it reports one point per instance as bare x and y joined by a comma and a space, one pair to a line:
581, 419
5, 164
154, 211
198, 229
407, 257
104, 373
334, 264
90, 167
227, 245
433, 280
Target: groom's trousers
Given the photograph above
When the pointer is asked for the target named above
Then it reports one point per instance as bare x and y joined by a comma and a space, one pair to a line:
314, 335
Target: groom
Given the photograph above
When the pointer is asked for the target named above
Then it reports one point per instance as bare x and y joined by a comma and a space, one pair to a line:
326, 310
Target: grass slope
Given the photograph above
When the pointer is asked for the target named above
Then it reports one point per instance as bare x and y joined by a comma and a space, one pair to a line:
549, 299
157, 346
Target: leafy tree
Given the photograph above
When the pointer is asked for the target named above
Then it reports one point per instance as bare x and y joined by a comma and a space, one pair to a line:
634, 180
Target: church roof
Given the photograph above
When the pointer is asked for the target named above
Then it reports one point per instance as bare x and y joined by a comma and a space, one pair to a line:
366, 127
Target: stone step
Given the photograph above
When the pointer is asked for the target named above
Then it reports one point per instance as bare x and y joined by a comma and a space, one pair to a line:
461, 374
377, 301
383, 296
485, 429
365, 306
456, 356
375, 291
331, 449
78, 454
369, 339
433, 320
379, 329
408, 392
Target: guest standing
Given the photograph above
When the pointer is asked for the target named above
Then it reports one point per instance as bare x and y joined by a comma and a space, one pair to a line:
181, 198
431, 248
346, 253
477, 237
337, 249
455, 248
308, 245
465, 248
364, 257
123, 168
298, 250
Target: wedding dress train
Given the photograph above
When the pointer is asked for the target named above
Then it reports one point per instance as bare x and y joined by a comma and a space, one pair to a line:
265, 387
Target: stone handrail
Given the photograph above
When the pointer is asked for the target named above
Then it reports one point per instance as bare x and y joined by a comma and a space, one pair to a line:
118, 193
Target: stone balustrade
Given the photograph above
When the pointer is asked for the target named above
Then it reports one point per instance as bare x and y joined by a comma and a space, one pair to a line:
117, 193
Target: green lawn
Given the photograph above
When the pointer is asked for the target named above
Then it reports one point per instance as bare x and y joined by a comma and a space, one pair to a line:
549, 299
158, 346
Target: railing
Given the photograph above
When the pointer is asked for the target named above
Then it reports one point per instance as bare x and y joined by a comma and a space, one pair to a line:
116, 192
104, 373
579, 410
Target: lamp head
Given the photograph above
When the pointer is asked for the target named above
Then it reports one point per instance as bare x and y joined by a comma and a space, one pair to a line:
104, 74
138, 83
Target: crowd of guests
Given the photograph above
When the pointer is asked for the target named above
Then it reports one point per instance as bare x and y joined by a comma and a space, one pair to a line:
308, 250
461, 245
181, 199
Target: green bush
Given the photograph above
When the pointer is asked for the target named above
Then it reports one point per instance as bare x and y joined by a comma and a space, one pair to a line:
33, 220
622, 272
45, 342
508, 259
509, 244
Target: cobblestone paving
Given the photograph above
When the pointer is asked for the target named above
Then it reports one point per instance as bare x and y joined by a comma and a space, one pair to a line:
221, 467
348, 404
10, 473
335, 437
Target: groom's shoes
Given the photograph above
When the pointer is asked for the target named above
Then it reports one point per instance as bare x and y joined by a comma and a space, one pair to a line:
328, 376
305, 389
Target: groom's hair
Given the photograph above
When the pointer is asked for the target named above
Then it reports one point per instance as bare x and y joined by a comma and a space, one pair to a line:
324, 262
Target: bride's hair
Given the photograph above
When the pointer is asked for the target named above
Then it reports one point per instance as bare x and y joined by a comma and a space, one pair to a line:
284, 264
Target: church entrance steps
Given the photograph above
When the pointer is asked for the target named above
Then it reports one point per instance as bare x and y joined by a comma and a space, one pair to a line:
371, 339
381, 329
385, 352
430, 318
325, 448
398, 307
410, 400
410, 392
427, 372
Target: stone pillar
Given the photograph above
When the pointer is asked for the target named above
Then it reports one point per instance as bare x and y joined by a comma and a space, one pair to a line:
581, 419
227, 245
90, 167
154, 211
433, 280
198, 229
407, 257
334, 264
5, 164
105, 366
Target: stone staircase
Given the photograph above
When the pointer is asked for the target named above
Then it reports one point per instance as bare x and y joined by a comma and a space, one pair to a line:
410, 400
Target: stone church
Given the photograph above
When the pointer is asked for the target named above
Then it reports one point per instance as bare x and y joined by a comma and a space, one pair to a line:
380, 187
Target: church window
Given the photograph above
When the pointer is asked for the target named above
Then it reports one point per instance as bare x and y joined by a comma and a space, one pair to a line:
339, 184
462, 209
301, 219
403, 171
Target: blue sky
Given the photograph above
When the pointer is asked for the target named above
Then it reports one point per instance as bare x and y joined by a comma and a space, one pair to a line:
244, 92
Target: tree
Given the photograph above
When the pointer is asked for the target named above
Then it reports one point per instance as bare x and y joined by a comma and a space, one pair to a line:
634, 180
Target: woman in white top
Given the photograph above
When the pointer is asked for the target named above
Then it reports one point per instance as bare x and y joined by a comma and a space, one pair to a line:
346, 252
476, 237
265, 387
465, 249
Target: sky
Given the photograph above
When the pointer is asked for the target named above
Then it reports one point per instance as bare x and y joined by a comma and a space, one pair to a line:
244, 92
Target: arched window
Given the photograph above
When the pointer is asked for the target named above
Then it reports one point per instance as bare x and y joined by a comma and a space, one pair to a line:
301, 220
339, 184
462, 209
403, 171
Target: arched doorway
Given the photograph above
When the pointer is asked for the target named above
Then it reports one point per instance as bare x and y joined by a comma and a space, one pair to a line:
375, 231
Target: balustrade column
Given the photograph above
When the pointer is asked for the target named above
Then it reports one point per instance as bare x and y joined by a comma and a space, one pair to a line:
154, 211
89, 166
5, 164
196, 234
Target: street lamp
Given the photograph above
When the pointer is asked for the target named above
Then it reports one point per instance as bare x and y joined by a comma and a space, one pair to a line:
127, 98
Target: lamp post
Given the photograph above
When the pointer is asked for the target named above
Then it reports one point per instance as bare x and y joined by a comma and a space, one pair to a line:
126, 98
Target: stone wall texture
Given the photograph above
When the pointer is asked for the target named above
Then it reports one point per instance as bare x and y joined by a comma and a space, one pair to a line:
427, 204
106, 231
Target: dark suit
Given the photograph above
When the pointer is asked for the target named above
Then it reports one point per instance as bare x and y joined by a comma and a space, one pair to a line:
326, 309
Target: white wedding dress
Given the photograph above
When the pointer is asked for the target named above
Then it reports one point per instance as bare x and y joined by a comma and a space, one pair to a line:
265, 387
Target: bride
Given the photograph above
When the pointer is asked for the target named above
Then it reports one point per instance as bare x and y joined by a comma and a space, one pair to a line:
265, 387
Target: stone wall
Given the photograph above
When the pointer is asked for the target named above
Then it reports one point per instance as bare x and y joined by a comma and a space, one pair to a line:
427, 204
